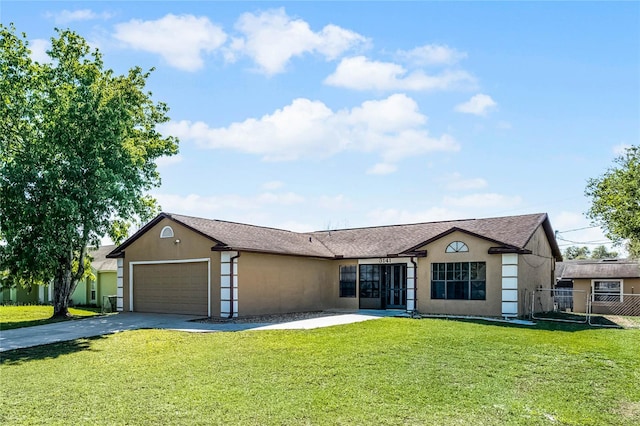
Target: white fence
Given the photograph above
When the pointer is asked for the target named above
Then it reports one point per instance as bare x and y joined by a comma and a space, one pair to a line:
560, 304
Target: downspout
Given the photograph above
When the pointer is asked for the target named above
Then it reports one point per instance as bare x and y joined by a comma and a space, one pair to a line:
415, 287
231, 289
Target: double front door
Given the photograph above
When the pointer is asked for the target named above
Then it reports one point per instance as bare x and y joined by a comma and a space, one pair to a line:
383, 286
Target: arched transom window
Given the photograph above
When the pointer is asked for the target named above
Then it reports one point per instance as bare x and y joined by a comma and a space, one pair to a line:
167, 232
457, 247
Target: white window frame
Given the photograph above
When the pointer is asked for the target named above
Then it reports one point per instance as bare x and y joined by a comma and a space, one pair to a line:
457, 247
594, 294
168, 230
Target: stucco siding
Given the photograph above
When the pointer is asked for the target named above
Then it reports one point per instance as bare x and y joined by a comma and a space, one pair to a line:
582, 292
106, 285
478, 252
535, 271
280, 284
184, 245
335, 300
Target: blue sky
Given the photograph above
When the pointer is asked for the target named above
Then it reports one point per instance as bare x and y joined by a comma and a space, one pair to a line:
323, 115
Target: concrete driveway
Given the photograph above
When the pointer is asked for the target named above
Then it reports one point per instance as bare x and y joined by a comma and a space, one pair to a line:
113, 323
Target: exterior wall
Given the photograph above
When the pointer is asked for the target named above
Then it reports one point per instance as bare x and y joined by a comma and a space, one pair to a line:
478, 252
19, 295
79, 295
280, 284
629, 286
106, 286
335, 301
150, 247
536, 271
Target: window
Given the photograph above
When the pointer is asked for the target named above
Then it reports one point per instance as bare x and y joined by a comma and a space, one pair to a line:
457, 247
167, 232
607, 291
370, 281
459, 280
348, 281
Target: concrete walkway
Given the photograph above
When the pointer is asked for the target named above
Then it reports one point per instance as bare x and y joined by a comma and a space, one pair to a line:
97, 326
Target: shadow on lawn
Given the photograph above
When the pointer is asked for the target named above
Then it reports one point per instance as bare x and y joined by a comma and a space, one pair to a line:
53, 350
548, 325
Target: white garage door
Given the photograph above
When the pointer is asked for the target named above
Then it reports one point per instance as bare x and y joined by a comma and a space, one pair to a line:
176, 288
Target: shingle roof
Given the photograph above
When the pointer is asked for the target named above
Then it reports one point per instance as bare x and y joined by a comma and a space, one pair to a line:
512, 232
100, 261
594, 268
240, 236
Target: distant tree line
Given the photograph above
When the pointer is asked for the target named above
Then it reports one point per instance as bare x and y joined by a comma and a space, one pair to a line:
576, 253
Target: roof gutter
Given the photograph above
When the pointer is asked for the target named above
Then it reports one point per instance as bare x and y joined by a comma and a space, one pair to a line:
231, 290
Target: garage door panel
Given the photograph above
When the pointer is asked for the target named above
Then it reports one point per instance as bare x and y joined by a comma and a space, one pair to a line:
171, 288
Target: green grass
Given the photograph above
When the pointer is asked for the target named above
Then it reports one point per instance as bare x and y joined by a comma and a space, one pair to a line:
389, 371
30, 315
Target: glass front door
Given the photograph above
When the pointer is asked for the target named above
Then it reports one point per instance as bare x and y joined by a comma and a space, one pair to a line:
383, 286
395, 285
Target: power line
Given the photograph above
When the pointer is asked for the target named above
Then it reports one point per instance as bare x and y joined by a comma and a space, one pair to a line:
577, 229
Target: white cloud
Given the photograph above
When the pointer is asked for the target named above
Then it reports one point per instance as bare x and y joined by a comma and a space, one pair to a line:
67, 16
360, 73
620, 149
477, 105
382, 169
272, 38
455, 182
392, 127
574, 229
432, 54
489, 201
167, 161
180, 40
272, 185
39, 49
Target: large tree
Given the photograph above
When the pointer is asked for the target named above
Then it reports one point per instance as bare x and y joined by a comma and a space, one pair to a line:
615, 198
77, 151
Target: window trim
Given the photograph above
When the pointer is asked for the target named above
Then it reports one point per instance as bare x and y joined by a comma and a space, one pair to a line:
169, 231
352, 285
457, 247
620, 281
451, 280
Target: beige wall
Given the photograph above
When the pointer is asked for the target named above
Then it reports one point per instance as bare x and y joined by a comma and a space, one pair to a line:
150, 247
536, 270
629, 286
335, 300
280, 284
478, 252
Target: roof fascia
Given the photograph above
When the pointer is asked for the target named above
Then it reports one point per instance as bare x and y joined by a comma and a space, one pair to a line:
452, 230
119, 251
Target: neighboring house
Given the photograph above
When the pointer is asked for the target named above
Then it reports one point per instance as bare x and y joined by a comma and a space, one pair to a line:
189, 265
88, 292
96, 291
612, 285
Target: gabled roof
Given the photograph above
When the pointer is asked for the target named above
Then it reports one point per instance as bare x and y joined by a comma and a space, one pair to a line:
511, 233
100, 261
597, 268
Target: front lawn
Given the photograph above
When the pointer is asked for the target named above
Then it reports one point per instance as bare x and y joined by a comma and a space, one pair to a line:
30, 315
387, 371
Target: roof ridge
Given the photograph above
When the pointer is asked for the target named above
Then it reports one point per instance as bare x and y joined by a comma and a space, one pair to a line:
428, 223
173, 215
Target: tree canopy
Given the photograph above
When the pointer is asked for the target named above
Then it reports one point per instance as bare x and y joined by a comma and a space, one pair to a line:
577, 253
615, 200
78, 146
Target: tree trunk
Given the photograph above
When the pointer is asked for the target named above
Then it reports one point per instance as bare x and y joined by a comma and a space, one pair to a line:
62, 286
